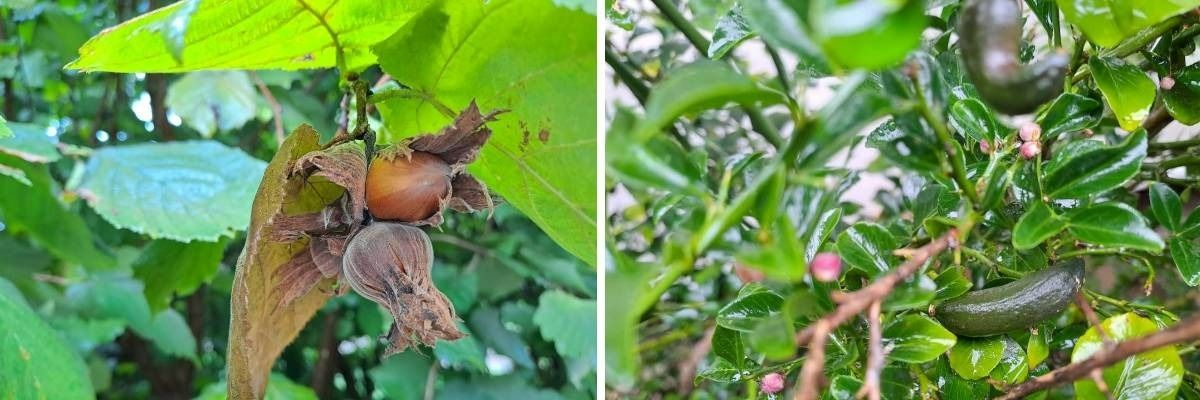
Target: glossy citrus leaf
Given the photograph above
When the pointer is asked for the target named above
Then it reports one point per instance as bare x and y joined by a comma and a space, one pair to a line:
1166, 206
731, 31
182, 191
1151, 375
196, 35
974, 358
1035, 226
1183, 100
1114, 225
844, 387
1078, 174
727, 344
753, 303
973, 119
1107, 22
1128, 91
35, 363
528, 56
867, 247
951, 283
953, 386
1186, 255
1068, 113
916, 338
1013, 367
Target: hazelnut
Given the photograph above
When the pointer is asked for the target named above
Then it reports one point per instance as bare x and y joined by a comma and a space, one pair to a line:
407, 188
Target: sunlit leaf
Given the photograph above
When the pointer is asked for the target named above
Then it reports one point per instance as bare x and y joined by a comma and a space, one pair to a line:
1150, 375
34, 361
1128, 91
916, 338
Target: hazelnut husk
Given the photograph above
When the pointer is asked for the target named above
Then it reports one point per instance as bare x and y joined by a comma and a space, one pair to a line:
407, 188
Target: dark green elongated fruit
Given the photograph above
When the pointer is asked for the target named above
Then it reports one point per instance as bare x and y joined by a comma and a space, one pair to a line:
989, 39
1017, 305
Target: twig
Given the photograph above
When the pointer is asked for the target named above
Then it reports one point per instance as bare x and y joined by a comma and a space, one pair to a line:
1094, 321
870, 388
856, 302
276, 109
1187, 330
430, 381
687, 368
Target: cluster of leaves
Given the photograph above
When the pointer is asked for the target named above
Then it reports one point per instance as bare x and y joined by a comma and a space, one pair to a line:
729, 182
124, 197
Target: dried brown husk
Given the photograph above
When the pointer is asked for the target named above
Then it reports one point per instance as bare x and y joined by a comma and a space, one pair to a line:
389, 264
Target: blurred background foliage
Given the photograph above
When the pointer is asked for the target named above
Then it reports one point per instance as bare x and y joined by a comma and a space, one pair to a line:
148, 316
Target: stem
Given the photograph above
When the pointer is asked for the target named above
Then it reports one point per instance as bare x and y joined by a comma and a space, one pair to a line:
958, 169
1131, 45
625, 74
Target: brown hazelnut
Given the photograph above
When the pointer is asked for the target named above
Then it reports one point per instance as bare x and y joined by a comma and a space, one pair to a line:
407, 188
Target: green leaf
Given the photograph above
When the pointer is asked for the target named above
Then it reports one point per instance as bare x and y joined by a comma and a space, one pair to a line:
1187, 259
213, 101
34, 361
695, 87
1128, 90
1107, 22
781, 24
951, 283
168, 267
1013, 367
1035, 226
727, 344
974, 120
889, 28
278, 388
1150, 375
116, 295
569, 322
907, 143
824, 226
844, 387
774, 338
402, 376
170, 333
38, 212
720, 371
465, 354
251, 35
1114, 225
181, 191
29, 142
753, 303
952, 386
1166, 206
1097, 169
731, 31
974, 358
1069, 112
916, 338
867, 247
531, 57
1039, 346
915, 292
779, 259
5, 131
620, 319
1183, 100
486, 323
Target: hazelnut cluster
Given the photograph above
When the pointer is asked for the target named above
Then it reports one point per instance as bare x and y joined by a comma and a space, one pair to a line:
370, 237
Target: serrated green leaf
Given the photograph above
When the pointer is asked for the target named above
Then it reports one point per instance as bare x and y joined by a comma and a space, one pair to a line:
168, 267
867, 247
37, 211
569, 322
213, 101
753, 303
253, 34
30, 143
1166, 206
170, 333
1107, 22
1035, 226
463, 354
181, 191
1078, 174
530, 57
402, 376
916, 339
974, 358
1114, 225
1150, 375
1128, 91
34, 361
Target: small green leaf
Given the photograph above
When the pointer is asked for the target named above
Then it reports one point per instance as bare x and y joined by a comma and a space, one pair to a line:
463, 354
1187, 259
916, 338
36, 209
953, 386
753, 303
1039, 346
1128, 90
699, 86
906, 142
774, 338
867, 247
401, 376
779, 259
1078, 174
951, 283
1069, 112
1166, 206
731, 31
34, 361
1107, 22
781, 24
1035, 226
1183, 100
974, 358
1013, 367
486, 323
915, 292
974, 120
825, 224
720, 371
1150, 375
569, 322
5, 131
889, 28
1114, 225
181, 191
29, 142
213, 101
169, 268
727, 344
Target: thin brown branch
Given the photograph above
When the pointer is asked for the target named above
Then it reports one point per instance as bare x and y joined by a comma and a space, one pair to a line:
855, 303
870, 388
687, 368
430, 382
276, 109
1185, 331
1090, 315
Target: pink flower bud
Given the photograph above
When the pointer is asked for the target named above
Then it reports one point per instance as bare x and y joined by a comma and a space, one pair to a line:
1166, 83
1030, 132
1029, 150
826, 267
772, 383
985, 147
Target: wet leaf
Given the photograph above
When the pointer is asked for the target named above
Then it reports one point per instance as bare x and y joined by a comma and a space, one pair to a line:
753, 303
1186, 255
1166, 206
1035, 226
867, 247
951, 283
1183, 100
1114, 225
1094, 169
1068, 113
1107, 22
916, 338
1128, 90
731, 31
1013, 367
1151, 375
974, 358
974, 120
